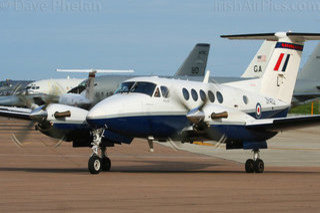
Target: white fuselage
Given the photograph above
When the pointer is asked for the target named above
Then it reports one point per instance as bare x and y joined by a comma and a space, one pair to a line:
140, 114
54, 87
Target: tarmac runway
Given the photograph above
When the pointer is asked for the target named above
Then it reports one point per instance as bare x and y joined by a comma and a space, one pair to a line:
40, 177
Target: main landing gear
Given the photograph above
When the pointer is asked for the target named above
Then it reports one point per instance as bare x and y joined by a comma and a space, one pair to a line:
98, 163
256, 164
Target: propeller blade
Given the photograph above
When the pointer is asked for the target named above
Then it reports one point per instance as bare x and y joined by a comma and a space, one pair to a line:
20, 138
59, 143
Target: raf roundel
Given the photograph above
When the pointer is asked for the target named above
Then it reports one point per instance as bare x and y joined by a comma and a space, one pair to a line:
258, 111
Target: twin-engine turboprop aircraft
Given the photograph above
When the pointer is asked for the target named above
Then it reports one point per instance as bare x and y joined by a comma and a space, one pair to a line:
244, 114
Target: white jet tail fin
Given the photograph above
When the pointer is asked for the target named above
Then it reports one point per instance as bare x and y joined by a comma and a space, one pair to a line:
311, 69
259, 62
281, 72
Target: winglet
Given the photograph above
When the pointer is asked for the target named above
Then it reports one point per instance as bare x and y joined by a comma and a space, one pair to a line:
206, 77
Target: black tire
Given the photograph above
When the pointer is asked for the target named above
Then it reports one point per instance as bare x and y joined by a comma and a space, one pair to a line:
259, 166
250, 166
94, 164
106, 164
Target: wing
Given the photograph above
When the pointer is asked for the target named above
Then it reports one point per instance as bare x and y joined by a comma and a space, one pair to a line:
15, 112
282, 124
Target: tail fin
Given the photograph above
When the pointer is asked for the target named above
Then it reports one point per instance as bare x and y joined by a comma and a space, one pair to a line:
258, 64
281, 72
90, 85
196, 63
311, 69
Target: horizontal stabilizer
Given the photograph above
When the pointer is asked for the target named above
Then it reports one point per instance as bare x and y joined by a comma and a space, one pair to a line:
287, 123
299, 37
95, 70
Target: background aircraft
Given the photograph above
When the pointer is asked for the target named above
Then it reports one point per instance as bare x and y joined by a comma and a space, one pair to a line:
38, 92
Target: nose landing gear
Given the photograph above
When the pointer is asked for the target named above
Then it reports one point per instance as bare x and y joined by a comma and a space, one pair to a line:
98, 163
256, 164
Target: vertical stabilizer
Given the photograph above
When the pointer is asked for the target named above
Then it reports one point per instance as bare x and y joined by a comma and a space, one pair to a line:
281, 72
259, 62
196, 63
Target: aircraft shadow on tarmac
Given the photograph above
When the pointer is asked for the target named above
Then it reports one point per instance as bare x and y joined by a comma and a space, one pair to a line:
155, 167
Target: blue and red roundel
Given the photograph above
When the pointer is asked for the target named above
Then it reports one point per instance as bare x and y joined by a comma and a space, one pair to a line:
258, 111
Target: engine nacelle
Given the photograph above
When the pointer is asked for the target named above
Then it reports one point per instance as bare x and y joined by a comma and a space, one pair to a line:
70, 127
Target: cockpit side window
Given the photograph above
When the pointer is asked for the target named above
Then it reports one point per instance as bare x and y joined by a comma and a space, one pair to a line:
157, 93
125, 87
164, 91
143, 87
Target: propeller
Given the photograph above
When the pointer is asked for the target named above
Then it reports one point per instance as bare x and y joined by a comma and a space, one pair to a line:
38, 117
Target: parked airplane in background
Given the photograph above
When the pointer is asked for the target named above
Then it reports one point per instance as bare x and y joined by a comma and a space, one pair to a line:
38, 92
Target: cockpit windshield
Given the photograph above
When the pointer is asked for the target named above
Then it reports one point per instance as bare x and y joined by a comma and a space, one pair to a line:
137, 87
124, 87
78, 89
143, 87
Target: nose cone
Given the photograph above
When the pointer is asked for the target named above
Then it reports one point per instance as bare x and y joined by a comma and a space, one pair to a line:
105, 109
106, 112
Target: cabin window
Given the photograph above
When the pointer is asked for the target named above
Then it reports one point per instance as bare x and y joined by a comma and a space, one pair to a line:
203, 95
211, 96
185, 93
164, 91
194, 95
219, 97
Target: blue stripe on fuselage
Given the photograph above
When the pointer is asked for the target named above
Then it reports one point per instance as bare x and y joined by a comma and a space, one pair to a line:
164, 126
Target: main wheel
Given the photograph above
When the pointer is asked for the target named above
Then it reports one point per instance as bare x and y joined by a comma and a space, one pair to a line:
249, 166
94, 164
105, 164
259, 166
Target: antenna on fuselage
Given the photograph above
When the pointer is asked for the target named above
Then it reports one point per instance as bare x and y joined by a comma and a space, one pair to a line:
206, 77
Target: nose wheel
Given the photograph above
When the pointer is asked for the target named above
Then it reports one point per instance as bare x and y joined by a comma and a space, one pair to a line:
255, 165
98, 163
